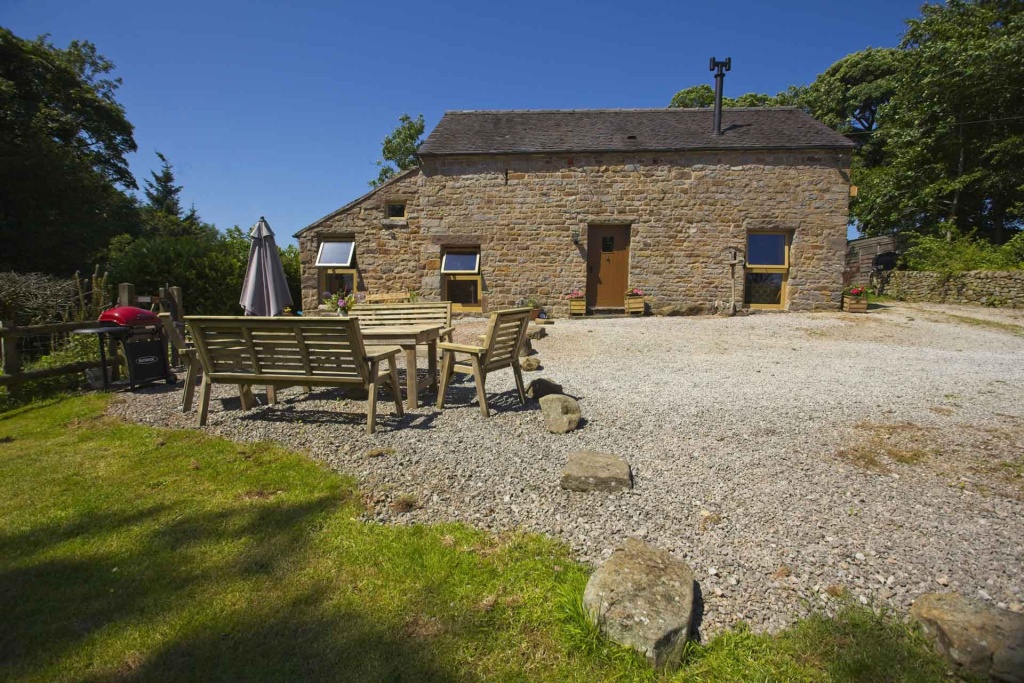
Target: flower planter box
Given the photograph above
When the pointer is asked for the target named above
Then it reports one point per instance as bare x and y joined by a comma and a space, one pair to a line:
535, 313
577, 306
855, 304
634, 305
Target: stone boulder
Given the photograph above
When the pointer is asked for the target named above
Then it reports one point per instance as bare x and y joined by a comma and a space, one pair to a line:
674, 310
642, 597
539, 388
985, 640
593, 471
561, 413
536, 333
526, 349
530, 364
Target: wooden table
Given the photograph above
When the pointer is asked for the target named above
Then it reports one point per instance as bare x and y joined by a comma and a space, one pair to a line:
409, 337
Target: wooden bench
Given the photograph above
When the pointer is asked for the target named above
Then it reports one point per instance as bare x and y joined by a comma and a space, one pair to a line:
395, 298
420, 313
279, 352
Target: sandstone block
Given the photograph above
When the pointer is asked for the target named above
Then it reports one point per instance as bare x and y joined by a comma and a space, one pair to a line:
561, 413
984, 640
593, 471
539, 388
642, 597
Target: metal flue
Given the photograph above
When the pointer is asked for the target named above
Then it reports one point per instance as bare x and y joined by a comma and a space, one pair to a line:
722, 67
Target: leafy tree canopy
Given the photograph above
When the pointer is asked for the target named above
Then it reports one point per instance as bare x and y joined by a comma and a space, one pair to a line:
399, 148
63, 145
703, 95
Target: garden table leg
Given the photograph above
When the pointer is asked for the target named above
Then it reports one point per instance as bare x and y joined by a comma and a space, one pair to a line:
410, 376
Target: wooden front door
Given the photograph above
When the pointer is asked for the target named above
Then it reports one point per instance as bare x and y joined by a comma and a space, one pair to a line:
607, 265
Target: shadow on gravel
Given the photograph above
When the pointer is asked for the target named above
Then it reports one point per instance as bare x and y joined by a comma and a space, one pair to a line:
298, 415
506, 402
698, 612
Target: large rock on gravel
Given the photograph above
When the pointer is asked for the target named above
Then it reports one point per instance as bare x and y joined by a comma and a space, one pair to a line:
982, 639
526, 349
642, 597
561, 413
530, 364
540, 387
593, 471
536, 333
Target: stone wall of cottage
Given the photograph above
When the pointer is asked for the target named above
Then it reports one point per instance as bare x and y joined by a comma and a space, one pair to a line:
981, 287
686, 211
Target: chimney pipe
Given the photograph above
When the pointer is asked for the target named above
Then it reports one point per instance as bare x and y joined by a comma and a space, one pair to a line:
721, 68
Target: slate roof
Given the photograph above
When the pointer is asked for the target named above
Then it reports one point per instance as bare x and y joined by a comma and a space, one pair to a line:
626, 130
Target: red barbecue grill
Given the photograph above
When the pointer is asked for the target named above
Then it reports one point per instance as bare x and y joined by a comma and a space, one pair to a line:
141, 335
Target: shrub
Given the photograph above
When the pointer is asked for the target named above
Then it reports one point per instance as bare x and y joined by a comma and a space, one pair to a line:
937, 255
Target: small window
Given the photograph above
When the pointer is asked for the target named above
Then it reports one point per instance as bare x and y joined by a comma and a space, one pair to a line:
608, 243
337, 281
767, 270
396, 210
767, 249
461, 262
335, 254
460, 279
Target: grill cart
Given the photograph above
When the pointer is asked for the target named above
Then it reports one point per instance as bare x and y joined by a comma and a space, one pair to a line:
141, 334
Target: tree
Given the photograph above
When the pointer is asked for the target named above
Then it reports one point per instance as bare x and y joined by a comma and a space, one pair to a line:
399, 148
161, 192
952, 130
63, 145
162, 214
703, 96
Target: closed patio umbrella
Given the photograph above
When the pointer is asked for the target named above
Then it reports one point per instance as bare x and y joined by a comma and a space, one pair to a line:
265, 288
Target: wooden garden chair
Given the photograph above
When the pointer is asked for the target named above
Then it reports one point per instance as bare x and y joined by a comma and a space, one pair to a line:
187, 356
505, 334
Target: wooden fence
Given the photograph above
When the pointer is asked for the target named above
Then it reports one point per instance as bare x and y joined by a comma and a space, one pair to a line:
14, 375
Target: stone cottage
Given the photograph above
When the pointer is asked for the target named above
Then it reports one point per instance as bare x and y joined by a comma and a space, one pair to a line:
507, 206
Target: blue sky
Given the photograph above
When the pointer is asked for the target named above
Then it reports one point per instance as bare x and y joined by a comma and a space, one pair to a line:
279, 109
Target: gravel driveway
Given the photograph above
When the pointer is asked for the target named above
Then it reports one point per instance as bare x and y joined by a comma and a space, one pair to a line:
786, 457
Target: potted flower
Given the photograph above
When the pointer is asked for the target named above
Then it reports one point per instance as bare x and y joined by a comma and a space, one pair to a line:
577, 302
635, 301
339, 303
535, 305
855, 300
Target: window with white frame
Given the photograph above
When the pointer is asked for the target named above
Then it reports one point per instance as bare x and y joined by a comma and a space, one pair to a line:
461, 282
335, 264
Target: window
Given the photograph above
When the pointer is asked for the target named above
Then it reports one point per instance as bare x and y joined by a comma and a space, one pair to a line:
461, 262
335, 267
767, 270
460, 279
335, 254
396, 210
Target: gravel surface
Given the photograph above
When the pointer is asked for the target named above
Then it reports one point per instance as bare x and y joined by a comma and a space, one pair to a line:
786, 457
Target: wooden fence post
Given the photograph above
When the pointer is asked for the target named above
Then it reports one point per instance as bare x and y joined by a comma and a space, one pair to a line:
9, 347
126, 295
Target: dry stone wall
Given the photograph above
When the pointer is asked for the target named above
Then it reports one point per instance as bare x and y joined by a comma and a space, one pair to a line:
1002, 288
686, 210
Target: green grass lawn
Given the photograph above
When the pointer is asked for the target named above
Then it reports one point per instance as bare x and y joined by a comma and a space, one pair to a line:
131, 553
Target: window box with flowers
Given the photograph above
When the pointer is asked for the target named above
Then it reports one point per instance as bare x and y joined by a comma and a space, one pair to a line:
855, 300
577, 302
635, 302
